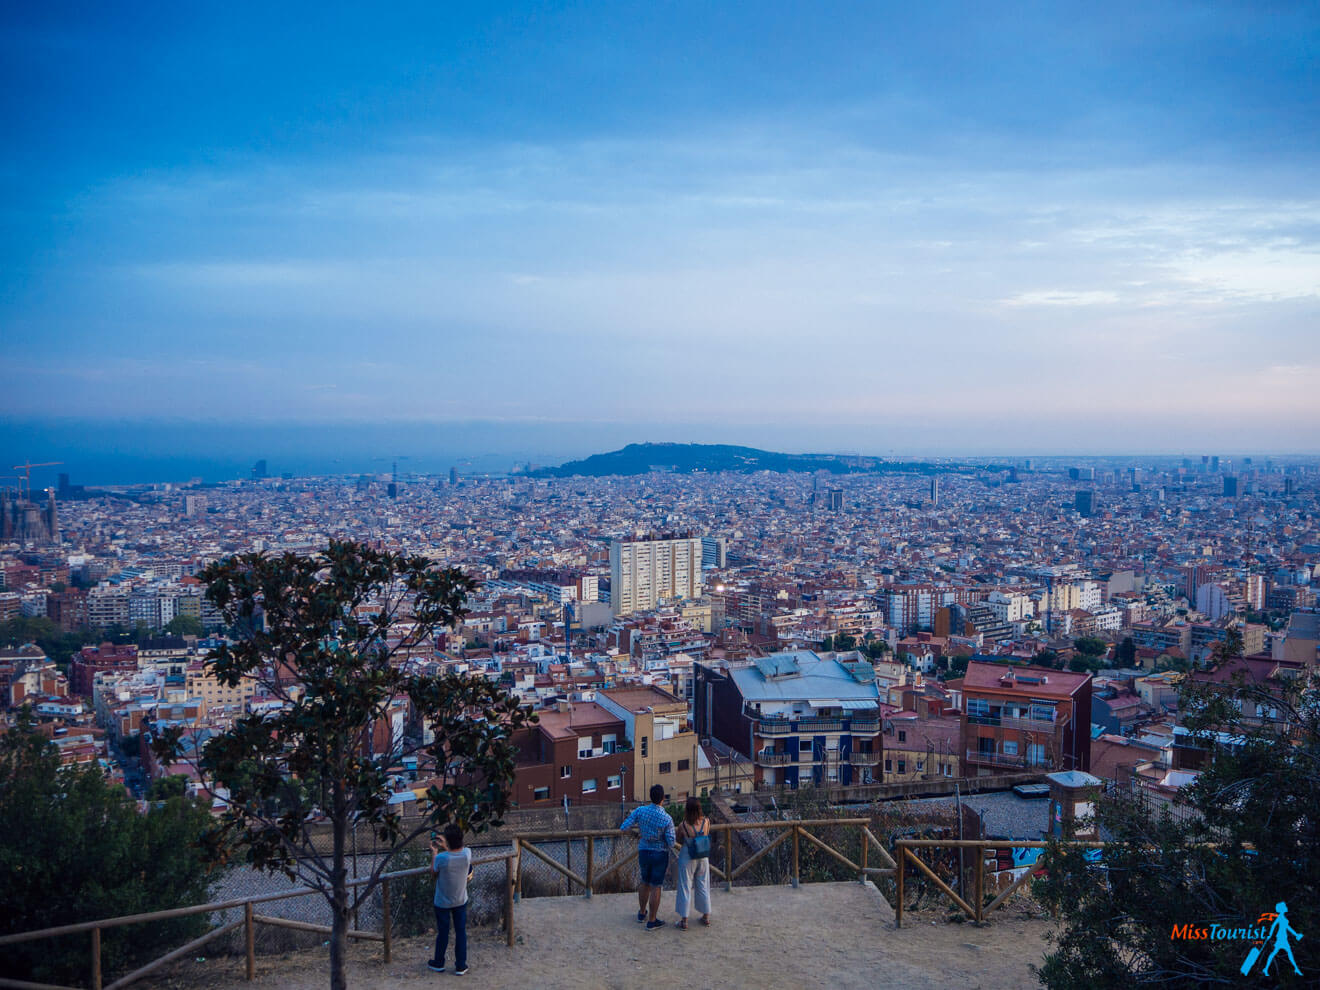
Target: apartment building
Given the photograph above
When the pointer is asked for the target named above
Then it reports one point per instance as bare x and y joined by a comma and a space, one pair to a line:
642, 572
665, 749
578, 753
800, 718
921, 748
1024, 717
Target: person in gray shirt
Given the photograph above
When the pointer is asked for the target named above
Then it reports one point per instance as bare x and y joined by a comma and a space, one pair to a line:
452, 866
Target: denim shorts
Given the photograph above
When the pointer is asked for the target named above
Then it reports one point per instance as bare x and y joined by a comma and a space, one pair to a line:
652, 866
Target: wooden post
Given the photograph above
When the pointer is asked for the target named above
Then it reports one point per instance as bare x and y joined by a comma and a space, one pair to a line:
980, 883
568, 863
517, 848
385, 915
796, 858
251, 941
509, 897
591, 861
728, 859
96, 959
901, 866
866, 845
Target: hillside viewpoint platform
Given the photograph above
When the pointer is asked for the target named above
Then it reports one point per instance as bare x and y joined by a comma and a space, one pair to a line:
840, 935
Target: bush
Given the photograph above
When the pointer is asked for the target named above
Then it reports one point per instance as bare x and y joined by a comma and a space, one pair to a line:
74, 848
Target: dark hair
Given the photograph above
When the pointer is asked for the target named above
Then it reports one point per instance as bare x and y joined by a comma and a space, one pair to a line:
453, 837
692, 811
657, 793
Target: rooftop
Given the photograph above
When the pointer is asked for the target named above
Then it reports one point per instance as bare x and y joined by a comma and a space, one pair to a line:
1039, 681
639, 699
801, 675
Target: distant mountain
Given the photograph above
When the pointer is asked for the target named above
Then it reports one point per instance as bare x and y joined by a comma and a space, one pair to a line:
687, 458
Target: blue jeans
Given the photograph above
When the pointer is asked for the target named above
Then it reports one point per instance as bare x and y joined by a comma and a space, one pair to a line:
442, 916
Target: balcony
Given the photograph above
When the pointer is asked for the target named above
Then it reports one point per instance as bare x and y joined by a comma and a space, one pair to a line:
1022, 724
1004, 760
861, 725
773, 727
819, 725
864, 759
766, 758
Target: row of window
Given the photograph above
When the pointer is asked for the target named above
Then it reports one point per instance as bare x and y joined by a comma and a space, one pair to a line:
589, 786
566, 771
944, 769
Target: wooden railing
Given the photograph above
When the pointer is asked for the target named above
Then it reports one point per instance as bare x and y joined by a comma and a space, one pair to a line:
248, 923
589, 880
906, 851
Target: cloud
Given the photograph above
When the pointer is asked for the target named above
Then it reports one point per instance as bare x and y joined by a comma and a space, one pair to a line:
1063, 297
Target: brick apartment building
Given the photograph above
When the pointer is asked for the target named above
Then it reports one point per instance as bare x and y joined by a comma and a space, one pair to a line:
1024, 717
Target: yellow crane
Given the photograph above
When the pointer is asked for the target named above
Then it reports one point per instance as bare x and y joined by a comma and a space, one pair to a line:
27, 469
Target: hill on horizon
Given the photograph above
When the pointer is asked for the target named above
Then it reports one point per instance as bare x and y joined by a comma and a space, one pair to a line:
689, 458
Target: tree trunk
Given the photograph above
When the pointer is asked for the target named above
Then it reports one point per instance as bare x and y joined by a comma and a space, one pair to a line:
339, 900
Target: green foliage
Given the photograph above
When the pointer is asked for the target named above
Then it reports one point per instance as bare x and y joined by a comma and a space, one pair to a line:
74, 848
844, 642
318, 639
54, 641
184, 625
1256, 801
1090, 646
1126, 653
876, 649
168, 787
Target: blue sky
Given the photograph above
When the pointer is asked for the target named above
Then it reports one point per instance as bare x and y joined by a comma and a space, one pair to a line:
874, 226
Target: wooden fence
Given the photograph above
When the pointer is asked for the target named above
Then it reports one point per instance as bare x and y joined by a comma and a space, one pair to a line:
906, 853
798, 834
248, 923
591, 878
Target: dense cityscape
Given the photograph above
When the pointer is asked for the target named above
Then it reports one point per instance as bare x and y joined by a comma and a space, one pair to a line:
1128, 572
837, 485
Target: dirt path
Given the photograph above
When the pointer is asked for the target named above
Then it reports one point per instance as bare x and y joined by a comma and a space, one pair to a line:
821, 935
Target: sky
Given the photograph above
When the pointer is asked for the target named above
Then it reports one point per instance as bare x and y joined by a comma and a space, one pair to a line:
541, 228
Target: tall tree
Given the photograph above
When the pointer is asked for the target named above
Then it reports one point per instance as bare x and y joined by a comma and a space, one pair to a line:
1240, 839
328, 636
74, 847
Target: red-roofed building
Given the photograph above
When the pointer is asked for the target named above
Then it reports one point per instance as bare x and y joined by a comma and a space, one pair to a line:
1023, 716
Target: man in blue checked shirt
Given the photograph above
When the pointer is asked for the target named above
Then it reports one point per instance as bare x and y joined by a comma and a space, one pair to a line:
656, 839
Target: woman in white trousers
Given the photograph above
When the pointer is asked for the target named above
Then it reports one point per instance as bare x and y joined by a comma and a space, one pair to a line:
693, 871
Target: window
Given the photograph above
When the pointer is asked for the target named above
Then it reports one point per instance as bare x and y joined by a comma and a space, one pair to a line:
684, 764
541, 794
902, 735
978, 706
902, 766
804, 745
589, 786
1010, 748
1036, 755
921, 766
643, 747
565, 771
614, 782
666, 767
889, 766
948, 769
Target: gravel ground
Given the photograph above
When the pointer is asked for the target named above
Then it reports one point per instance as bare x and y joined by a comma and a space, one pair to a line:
838, 935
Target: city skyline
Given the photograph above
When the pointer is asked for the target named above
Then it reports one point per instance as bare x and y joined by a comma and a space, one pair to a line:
940, 230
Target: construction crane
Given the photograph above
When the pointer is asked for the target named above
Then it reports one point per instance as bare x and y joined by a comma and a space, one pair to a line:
27, 469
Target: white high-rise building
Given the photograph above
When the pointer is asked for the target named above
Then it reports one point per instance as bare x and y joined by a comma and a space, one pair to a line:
644, 571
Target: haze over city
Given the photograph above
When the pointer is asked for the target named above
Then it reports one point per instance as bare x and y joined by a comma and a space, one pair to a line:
547, 231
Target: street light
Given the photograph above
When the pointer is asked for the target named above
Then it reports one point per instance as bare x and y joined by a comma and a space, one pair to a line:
623, 788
